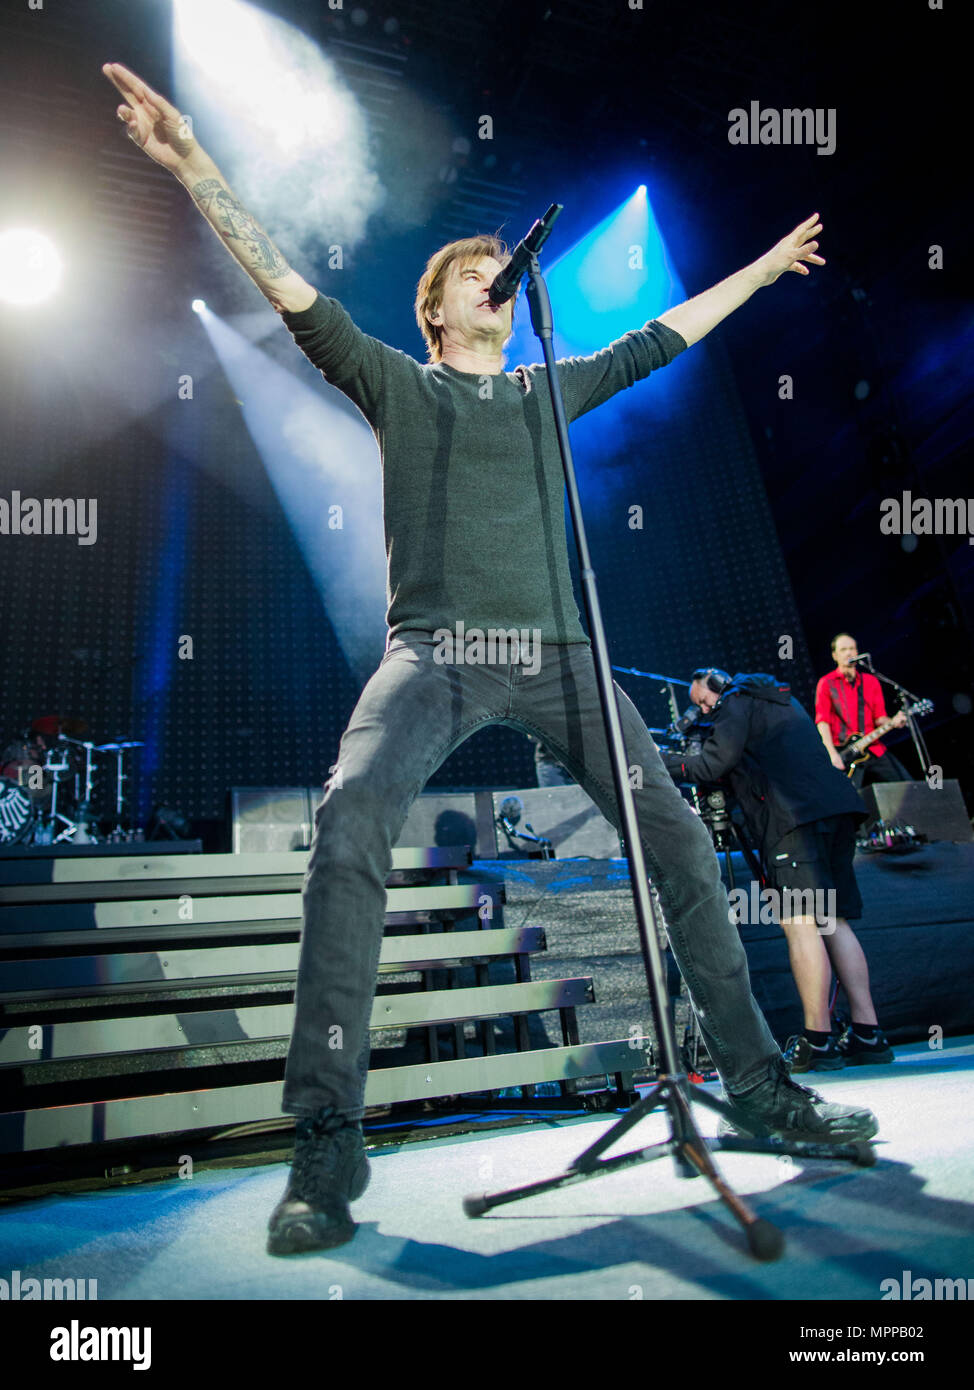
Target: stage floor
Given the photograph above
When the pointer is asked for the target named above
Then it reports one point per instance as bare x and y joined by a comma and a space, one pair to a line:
643, 1233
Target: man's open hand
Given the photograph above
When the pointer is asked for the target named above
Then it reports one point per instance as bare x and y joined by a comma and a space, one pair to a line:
792, 250
151, 121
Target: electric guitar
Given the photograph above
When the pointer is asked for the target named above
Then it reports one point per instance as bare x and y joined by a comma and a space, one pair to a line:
855, 750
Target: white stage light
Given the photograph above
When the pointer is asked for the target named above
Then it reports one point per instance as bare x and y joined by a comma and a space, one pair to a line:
276, 113
30, 267
198, 306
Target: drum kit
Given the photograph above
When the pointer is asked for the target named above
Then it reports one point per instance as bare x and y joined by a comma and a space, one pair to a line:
48, 784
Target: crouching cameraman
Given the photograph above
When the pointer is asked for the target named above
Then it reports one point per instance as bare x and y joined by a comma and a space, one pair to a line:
802, 813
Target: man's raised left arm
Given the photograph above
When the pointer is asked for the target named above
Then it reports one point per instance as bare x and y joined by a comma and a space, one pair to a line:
696, 317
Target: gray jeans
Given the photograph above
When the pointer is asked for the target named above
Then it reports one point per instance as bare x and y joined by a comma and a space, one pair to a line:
411, 715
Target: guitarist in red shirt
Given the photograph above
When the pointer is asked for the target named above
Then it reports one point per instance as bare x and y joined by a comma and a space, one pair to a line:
849, 703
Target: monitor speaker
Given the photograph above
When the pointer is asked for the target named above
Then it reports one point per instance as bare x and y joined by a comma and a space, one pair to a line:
937, 812
282, 818
266, 819
451, 818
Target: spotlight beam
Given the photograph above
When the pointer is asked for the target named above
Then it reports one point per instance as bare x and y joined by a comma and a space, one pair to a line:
323, 464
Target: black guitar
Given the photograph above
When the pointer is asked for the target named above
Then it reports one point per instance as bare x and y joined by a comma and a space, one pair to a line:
855, 750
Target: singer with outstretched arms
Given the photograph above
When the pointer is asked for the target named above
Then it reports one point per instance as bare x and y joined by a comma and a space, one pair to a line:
473, 496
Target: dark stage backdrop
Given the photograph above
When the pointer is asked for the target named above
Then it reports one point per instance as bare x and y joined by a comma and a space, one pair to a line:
192, 624
191, 539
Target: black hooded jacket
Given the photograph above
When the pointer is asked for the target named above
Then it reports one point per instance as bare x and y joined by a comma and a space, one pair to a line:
769, 751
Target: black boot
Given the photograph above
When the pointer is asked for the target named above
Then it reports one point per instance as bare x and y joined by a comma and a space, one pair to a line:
329, 1171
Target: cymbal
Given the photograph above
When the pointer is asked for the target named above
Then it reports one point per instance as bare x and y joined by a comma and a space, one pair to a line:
58, 724
117, 747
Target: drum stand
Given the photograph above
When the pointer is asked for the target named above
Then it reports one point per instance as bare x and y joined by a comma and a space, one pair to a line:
53, 826
120, 749
87, 831
49, 825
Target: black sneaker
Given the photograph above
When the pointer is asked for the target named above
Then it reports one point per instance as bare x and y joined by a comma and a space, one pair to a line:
857, 1053
781, 1109
802, 1055
329, 1171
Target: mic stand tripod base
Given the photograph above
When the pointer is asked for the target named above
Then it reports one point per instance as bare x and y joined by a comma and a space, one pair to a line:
692, 1155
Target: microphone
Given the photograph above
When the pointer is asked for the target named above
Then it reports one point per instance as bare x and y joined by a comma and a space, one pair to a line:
539, 839
686, 721
866, 656
506, 284
508, 818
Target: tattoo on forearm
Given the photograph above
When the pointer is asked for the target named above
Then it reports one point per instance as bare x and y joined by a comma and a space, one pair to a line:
234, 223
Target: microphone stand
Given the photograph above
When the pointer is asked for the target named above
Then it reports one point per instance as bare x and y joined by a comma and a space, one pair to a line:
905, 698
671, 1090
508, 827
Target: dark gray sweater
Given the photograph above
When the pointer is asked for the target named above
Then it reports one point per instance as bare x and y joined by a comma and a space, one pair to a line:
473, 488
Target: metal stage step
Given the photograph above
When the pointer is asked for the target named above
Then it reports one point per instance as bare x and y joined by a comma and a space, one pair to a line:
229, 1108
168, 1033
147, 997
51, 880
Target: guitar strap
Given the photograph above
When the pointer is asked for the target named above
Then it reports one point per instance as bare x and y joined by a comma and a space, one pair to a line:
862, 703
837, 705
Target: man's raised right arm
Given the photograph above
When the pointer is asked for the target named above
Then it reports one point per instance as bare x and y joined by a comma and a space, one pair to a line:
159, 130
244, 238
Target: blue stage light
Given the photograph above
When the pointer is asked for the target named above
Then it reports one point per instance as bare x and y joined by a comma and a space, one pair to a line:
617, 277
